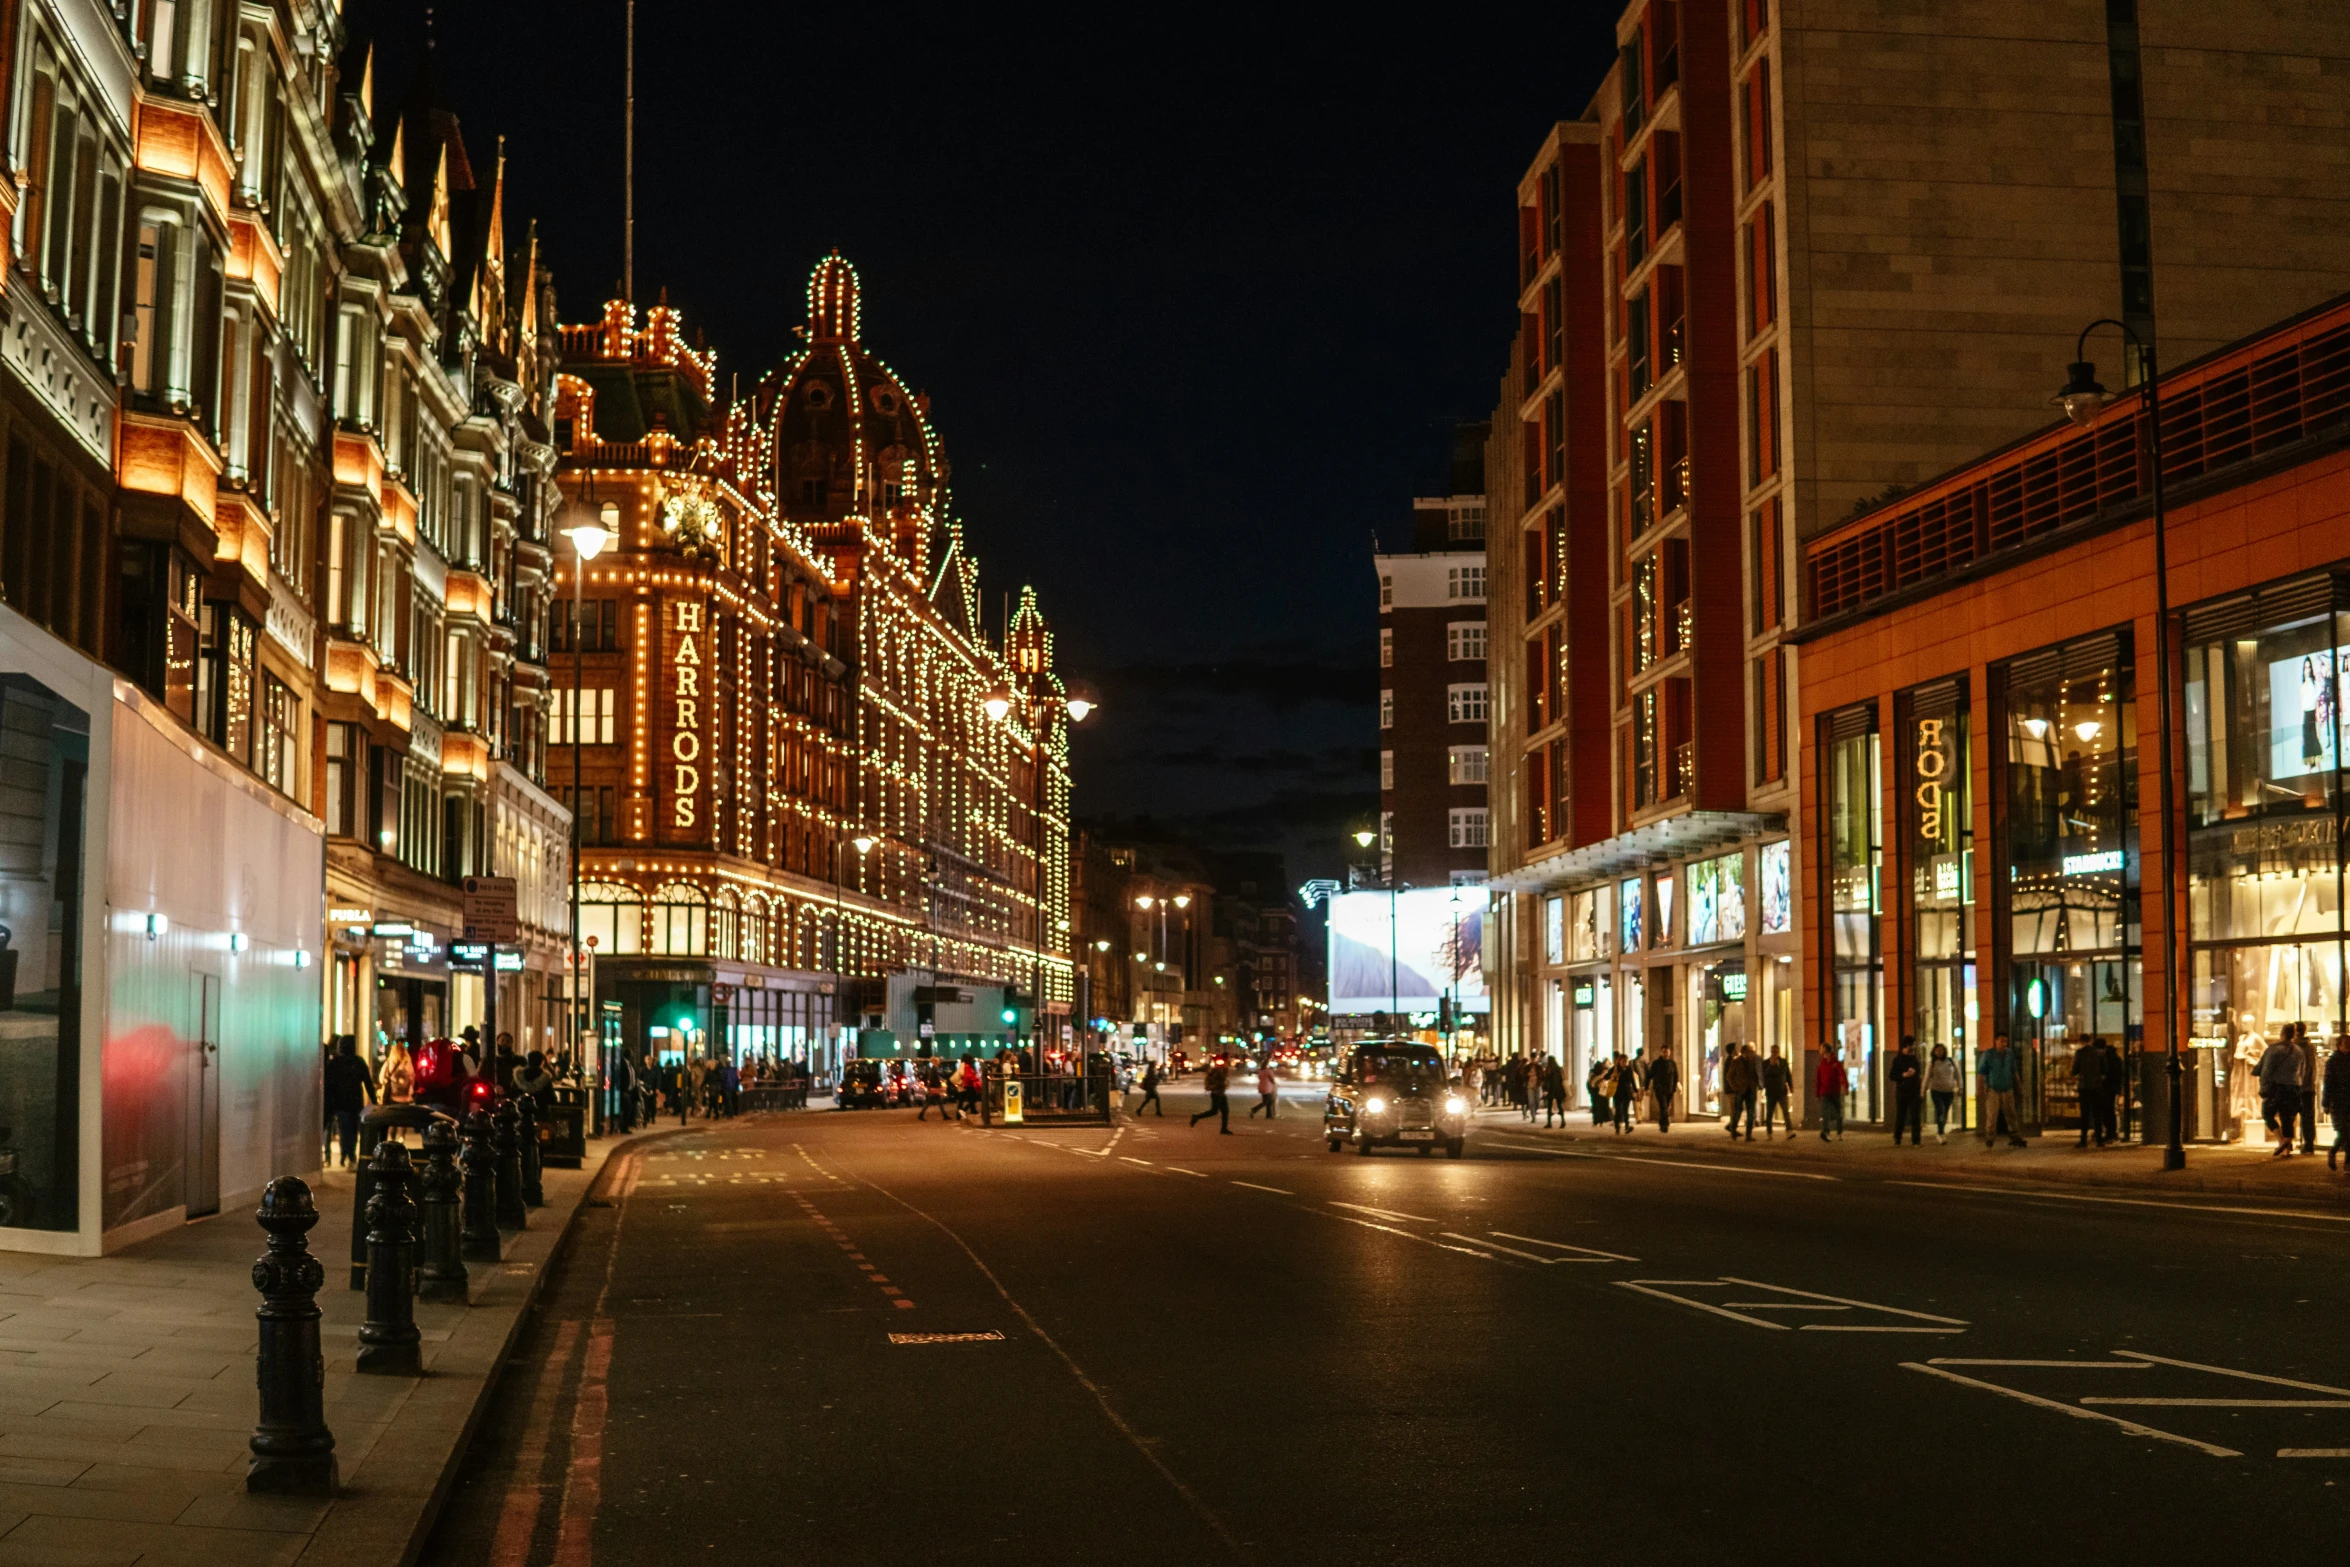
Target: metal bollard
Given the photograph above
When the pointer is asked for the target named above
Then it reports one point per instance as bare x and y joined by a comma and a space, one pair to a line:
534, 1191
480, 1238
389, 1344
293, 1451
511, 1213
441, 1276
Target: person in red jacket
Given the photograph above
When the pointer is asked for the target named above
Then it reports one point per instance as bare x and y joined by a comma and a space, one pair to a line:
1828, 1083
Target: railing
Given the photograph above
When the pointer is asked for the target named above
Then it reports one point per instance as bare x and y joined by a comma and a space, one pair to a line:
1051, 1096
776, 1096
2284, 387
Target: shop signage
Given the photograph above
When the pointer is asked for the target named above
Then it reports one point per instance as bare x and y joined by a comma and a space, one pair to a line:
685, 739
469, 952
393, 928
509, 961
1733, 985
2093, 864
1932, 766
350, 916
1585, 993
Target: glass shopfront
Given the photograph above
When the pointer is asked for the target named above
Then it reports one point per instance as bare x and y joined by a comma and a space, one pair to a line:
1937, 813
1716, 914
1853, 855
2265, 749
2068, 822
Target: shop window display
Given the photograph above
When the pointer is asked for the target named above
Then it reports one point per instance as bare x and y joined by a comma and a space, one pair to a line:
1717, 900
44, 769
2265, 751
1854, 855
1937, 814
1778, 888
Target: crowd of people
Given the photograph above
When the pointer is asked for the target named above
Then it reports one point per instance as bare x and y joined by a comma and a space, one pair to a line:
352, 1082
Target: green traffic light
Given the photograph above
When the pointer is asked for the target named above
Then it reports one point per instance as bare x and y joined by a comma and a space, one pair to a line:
1011, 1016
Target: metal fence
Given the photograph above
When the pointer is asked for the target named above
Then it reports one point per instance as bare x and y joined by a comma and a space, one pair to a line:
1050, 1098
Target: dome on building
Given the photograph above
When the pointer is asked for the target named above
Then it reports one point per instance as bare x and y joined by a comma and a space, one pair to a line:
849, 438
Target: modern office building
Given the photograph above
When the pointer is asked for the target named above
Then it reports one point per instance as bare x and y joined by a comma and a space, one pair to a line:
1789, 263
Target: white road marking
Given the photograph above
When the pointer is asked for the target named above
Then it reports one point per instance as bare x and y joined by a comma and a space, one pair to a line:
1555, 1153
1585, 1253
1865, 1305
1179, 1170
2130, 1202
1872, 1327
1130, 1159
1383, 1213
1781, 1305
1681, 1300
1368, 1225
989, 1337
1713, 1169
2245, 1376
2052, 1365
2225, 1403
1512, 1250
1279, 1191
2313, 1452
2075, 1411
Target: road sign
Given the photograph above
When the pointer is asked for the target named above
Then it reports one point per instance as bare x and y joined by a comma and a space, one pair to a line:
489, 909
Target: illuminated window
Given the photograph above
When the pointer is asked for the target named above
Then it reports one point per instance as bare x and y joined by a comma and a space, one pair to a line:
1386, 648
1465, 764
1387, 709
1387, 769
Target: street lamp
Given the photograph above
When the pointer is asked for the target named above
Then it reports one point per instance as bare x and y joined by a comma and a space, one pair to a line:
2082, 399
863, 843
1078, 701
589, 530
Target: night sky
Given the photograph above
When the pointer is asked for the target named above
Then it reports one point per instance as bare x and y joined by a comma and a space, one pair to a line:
1197, 298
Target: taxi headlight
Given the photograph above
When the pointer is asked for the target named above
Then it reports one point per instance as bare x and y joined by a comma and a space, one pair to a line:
1455, 1105
1374, 1106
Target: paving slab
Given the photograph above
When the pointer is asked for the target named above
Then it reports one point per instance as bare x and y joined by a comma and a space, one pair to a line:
127, 1397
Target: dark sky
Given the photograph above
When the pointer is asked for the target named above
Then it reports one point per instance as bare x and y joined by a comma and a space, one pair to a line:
1196, 295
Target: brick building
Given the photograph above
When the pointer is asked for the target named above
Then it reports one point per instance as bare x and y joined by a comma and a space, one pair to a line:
1432, 685
1790, 260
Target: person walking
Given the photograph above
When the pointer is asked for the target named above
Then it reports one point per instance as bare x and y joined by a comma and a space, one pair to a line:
1554, 1091
1907, 1080
1268, 1091
1599, 1087
2311, 1071
1740, 1076
1150, 1090
350, 1089
1218, 1077
1627, 1089
1942, 1083
934, 1094
2280, 1088
1997, 1070
1778, 1082
1664, 1080
1828, 1083
2337, 1097
1473, 1080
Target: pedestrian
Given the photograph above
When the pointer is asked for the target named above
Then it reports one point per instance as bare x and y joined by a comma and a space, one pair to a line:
2093, 1069
1740, 1076
2280, 1089
934, 1093
1554, 1091
533, 1081
505, 1062
2337, 1097
1473, 1080
1997, 1070
1626, 1090
1150, 1090
1778, 1083
1942, 1083
1599, 1087
1218, 1106
2311, 1071
1664, 1082
1268, 1090
1903, 1076
1828, 1083
350, 1089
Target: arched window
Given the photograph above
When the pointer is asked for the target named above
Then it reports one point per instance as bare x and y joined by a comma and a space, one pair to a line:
681, 921
754, 948
613, 915
725, 925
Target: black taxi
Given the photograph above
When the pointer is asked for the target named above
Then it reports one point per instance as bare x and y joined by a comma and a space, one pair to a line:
1396, 1093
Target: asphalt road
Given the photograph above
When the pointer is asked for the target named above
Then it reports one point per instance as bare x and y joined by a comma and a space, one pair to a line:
833, 1337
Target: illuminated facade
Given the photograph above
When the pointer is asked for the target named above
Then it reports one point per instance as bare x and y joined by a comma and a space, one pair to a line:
783, 654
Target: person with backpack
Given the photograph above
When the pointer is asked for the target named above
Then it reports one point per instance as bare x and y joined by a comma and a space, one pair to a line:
1150, 1090
1599, 1087
1220, 1107
1627, 1090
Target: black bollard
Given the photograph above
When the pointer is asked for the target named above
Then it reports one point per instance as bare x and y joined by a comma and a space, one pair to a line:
534, 1191
441, 1276
293, 1451
389, 1344
511, 1213
480, 1239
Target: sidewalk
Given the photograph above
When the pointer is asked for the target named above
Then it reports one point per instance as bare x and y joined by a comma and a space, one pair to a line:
2055, 1158
127, 1395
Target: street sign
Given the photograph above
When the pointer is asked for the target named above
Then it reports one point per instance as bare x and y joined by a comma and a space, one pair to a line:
1014, 1104
490, 909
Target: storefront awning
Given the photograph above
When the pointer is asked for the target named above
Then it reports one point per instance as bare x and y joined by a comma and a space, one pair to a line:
1683, 837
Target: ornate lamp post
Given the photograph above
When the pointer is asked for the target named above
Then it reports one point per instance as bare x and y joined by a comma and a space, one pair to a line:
863, 843
589, 530
2082, 399
998, 704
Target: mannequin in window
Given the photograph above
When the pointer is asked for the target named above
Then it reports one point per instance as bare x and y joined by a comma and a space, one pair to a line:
2244, 1074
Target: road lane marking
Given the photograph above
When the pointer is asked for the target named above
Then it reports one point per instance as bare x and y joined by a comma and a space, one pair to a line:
1368, 1225
1711, 1169
1872, 1327
518, 1519
2130, 1202
2313, 1452
1382, 1213
1682, 1300
2225, 1403
2244, 1376
1865, 1305
1130, 1159
1781, 1305
2074, 1410
1179, 1170
2049, 1365
1282, 1191
1556, 1153
1512, 1250
991, 1336
1586, 1253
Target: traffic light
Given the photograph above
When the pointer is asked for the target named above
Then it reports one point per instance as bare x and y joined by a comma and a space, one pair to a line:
1444, 1014
1011, 1015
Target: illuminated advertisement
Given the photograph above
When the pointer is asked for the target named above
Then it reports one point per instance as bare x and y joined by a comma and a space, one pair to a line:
1428, 960
2304, 727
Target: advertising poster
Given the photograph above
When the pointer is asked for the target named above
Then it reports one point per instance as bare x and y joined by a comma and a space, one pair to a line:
1428, 959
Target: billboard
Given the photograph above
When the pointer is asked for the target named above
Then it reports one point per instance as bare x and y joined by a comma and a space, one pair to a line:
1427, 959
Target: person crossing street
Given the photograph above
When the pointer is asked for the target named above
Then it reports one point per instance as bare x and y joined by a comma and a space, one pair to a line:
1150, 1090
1218, 1078
1268, 1091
